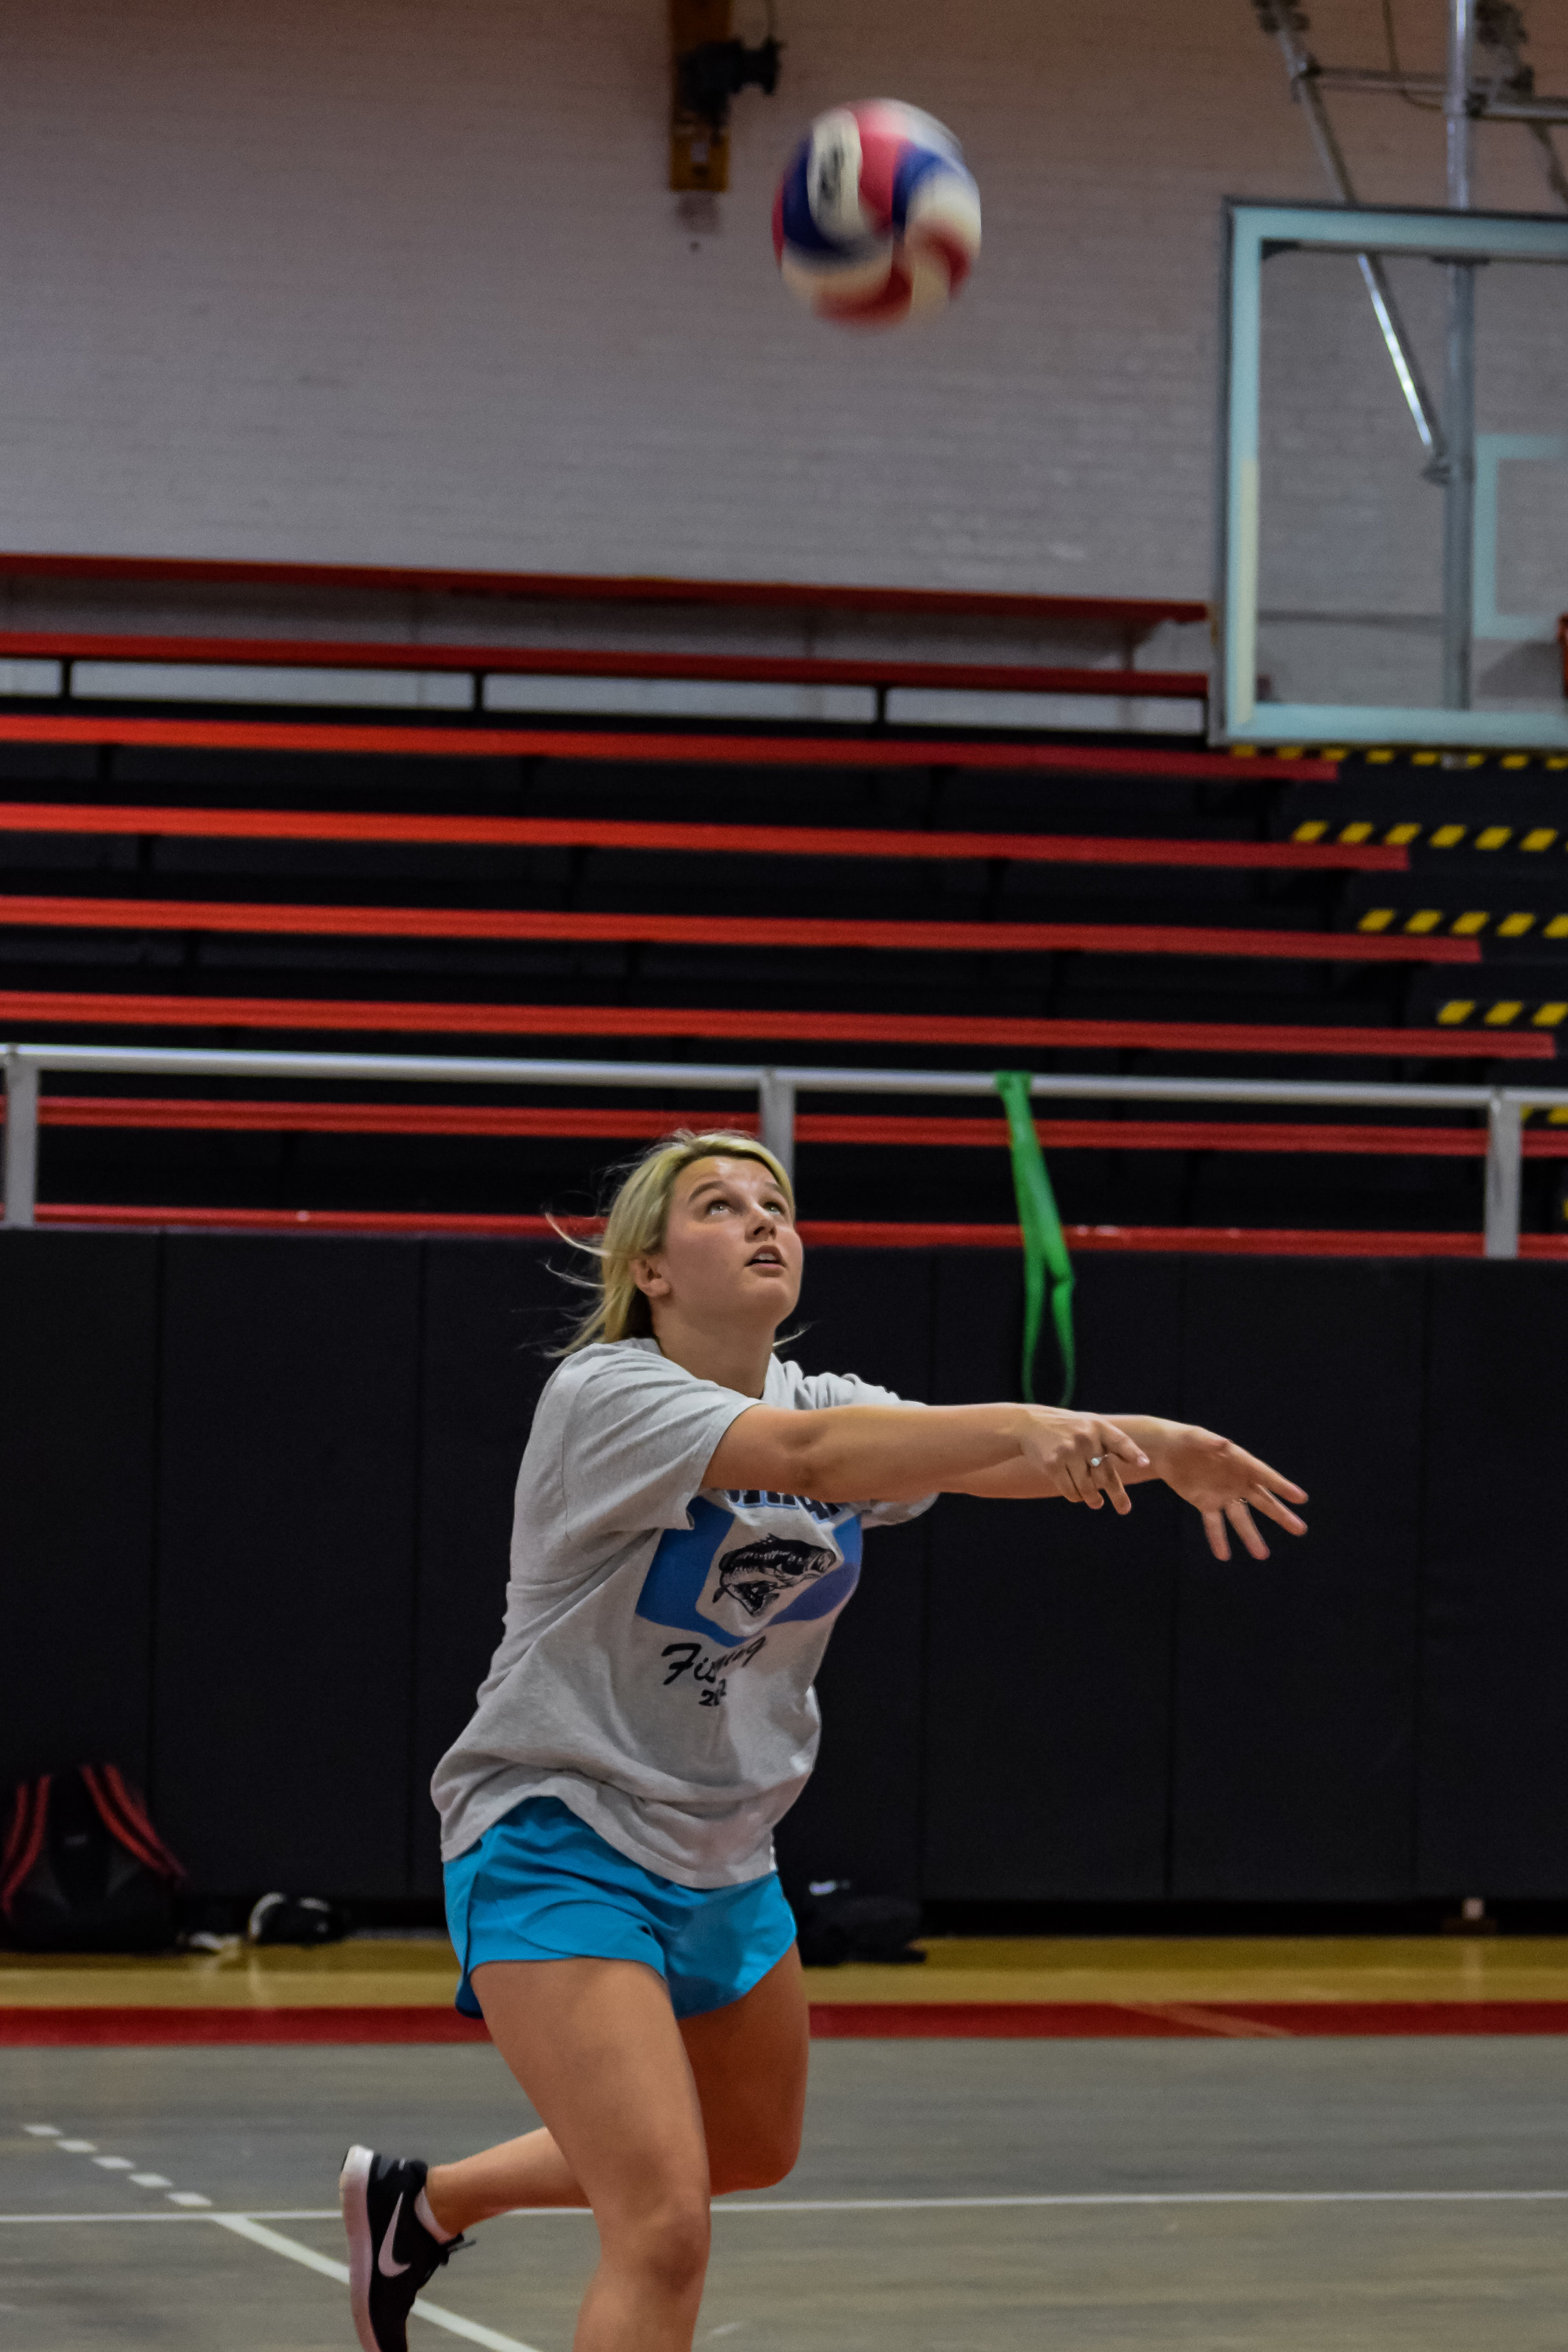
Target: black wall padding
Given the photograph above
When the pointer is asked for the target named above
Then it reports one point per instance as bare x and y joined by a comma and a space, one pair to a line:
288, 1480
255, 1496
860, 1816
1048, 1666
1494, 1721
491, 1311
1296, 1679
79, 1391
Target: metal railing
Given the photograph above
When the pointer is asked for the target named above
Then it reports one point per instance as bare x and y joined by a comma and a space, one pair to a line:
776, 1089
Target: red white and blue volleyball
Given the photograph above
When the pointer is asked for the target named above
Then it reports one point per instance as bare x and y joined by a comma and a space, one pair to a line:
877, 218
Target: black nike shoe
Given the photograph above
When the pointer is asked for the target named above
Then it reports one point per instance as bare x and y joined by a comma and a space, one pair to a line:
392, 2254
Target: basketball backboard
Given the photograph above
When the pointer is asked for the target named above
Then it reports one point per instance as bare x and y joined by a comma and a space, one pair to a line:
1330, 566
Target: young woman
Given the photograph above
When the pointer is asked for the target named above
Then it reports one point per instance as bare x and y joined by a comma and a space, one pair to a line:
688, 1520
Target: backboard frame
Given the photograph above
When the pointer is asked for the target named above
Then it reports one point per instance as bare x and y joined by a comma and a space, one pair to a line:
1254, 231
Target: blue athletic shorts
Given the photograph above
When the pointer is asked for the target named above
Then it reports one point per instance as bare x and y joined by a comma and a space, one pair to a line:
541, 1886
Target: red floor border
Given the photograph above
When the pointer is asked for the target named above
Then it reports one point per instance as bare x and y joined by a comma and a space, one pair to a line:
1237, 2020
150, 2027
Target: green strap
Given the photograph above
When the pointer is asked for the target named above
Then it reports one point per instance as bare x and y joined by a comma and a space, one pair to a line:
1045, 1248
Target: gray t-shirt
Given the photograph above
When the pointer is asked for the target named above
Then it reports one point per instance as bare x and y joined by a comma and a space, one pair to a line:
655, 1667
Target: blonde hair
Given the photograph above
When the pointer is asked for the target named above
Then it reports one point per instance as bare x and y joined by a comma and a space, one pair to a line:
636, 1226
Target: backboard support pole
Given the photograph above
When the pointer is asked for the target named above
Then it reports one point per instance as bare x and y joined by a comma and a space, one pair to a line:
1303, 69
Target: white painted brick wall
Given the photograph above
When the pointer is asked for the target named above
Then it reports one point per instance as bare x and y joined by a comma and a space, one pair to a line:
398, 281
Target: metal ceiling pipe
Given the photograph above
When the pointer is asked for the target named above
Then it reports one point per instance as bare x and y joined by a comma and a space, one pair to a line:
1459, 393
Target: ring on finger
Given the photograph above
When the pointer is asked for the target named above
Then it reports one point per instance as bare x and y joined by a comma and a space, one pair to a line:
1095, 1460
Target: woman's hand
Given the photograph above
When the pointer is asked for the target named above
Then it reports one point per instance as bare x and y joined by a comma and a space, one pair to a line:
1224, 1483
1076, 1454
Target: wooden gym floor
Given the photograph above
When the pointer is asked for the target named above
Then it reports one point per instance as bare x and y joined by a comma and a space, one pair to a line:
1154, 2165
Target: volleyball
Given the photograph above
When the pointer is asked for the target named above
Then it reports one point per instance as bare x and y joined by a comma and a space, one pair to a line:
876, 220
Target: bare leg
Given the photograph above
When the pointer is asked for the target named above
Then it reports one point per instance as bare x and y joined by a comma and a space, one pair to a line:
739, 2072
749, 2063
522, 2172
595, 2046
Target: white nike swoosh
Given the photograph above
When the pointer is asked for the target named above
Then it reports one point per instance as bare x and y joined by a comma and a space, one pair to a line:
384, 2261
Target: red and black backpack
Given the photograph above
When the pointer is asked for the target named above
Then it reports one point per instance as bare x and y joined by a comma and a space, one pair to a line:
82, 1868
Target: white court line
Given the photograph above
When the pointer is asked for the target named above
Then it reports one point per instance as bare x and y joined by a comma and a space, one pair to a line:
127, 2164
905, 2205
1158, 2196
294, 2213
469, 2329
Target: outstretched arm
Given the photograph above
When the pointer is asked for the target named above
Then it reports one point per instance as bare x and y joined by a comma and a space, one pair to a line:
848, 1453
845, 1453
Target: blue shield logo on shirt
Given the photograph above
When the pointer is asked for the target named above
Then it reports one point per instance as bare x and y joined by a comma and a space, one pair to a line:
732, 1574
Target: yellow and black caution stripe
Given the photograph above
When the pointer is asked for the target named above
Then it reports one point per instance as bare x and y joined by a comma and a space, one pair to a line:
1467, 923
1533, 839
1385, 755
1503, 1012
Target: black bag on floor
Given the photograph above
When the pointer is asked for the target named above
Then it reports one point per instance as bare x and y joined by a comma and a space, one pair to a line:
295, 1920
835, 1925
82, 1868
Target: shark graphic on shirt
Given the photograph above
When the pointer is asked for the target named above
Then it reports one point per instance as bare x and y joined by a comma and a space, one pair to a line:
749, 1560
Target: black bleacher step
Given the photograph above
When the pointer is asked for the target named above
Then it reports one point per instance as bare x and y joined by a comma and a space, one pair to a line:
978, 982
1408, 804
1511, 915
1105, 1186
1534, 979
676, 882
940, 796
